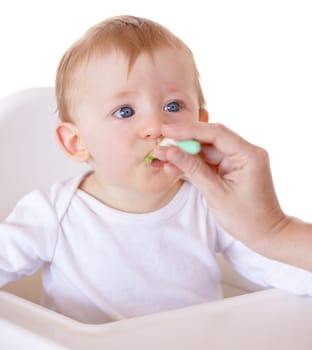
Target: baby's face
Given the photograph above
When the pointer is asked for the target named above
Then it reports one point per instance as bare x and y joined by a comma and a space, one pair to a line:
120, 114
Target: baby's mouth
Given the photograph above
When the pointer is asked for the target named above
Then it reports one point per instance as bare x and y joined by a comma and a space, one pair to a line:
153, 161
150, 158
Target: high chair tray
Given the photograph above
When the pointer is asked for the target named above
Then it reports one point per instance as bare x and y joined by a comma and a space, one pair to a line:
270, 319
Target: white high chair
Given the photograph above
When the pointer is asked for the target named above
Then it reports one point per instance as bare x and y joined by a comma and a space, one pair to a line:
32, 159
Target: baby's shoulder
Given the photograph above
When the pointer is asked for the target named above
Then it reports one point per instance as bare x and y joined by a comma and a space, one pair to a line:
61, 193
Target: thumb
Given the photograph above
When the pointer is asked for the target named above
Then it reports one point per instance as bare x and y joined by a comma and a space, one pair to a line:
194, 167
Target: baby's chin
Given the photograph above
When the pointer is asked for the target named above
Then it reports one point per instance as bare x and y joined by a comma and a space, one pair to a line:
163, 184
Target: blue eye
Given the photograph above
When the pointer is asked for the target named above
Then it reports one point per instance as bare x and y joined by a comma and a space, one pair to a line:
124, 112
172, 107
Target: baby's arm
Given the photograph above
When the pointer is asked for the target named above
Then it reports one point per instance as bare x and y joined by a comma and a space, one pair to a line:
27, 237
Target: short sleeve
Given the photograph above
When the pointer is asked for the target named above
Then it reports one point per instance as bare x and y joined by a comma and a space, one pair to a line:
27, 237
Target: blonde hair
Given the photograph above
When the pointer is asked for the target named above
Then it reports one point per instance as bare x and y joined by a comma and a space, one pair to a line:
128, 34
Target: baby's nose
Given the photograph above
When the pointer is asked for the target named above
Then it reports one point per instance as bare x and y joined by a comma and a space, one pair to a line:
151, 128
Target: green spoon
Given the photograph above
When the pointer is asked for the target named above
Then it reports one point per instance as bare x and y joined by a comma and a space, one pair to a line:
189, 146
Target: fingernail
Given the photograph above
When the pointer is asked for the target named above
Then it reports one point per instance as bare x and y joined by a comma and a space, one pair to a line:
177, 157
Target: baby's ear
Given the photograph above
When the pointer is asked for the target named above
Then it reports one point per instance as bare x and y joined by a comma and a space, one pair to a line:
68, 137
203, 115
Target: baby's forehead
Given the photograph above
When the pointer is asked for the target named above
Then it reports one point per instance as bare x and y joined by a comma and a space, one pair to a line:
122, 57
164, 64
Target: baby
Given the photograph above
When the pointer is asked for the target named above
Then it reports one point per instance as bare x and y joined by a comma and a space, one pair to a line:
127, 238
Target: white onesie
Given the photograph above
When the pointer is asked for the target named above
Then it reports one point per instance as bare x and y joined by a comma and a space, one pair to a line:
101, 264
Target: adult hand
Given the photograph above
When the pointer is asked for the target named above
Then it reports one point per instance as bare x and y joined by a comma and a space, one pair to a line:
236, 180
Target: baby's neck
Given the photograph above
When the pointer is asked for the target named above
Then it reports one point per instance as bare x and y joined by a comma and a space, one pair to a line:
126, 200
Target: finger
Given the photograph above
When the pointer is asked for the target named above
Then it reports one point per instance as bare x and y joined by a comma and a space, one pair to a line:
210, 155
171, 169
213, 156
224, 139
193, 166
161, 153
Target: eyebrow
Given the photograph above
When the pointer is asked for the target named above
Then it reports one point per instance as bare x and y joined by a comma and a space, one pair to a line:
183, 93
129, 93
123, 93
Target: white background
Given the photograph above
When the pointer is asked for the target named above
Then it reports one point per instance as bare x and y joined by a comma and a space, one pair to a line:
255, 60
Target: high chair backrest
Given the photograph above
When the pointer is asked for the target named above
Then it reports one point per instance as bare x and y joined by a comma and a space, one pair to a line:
29, 154
30, 158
